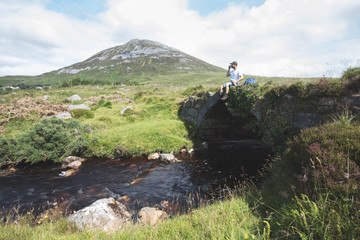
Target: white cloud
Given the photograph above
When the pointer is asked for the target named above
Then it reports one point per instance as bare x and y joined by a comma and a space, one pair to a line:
278, 38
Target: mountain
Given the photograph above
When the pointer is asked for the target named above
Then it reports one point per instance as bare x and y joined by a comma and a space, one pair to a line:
134, 60
137, 60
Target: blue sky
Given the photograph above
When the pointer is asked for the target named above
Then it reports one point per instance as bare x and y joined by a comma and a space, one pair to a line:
84, 9
296, 38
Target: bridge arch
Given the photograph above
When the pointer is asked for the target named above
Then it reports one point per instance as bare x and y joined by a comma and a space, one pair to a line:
213, 120
194, 110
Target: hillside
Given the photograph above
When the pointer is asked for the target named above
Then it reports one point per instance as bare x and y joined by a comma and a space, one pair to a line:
137, 60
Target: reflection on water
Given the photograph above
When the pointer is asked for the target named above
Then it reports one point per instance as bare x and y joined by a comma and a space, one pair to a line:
146, 183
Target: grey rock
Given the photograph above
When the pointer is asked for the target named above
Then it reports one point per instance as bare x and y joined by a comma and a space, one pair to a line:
46, 97
64, 115
104, 214
81, 106
74, 98
89, 103
168, 158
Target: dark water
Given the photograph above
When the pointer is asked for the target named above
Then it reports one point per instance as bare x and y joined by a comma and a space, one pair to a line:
146, 183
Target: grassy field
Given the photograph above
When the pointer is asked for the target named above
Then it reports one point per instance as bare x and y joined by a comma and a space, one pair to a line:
231, 219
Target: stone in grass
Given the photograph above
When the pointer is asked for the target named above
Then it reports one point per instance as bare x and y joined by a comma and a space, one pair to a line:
64, 115
127, 109
81, 106
74, 98
105, 214
151, 216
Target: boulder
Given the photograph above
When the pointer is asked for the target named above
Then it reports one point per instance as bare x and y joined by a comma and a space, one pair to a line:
168, 158
46, 97
72, 162
105, 214
151, 216
74, 98
154, 156
80, 106
74, 165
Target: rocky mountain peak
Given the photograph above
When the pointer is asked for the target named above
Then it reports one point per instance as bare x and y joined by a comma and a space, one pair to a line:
137, 57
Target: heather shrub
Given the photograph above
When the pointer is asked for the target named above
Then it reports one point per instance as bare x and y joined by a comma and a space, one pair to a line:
327, 155
48, 140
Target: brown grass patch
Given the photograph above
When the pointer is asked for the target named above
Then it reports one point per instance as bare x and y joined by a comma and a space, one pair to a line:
27, 107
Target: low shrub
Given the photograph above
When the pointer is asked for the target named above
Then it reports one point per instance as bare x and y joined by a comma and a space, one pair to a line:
241, 100
77, 113
351, 79
48, 140
103, 103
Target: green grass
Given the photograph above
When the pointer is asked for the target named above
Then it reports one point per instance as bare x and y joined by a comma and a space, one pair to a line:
231, 219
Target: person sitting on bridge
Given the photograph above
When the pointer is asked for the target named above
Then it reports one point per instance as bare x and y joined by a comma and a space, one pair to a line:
235, 77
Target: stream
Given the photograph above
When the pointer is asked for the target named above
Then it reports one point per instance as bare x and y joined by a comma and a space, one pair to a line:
144, 182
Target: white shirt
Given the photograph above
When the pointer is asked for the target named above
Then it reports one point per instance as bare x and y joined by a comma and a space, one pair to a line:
234, 74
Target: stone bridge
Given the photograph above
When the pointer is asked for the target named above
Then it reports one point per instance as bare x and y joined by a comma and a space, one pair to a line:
215, 123
212, 119
194, 110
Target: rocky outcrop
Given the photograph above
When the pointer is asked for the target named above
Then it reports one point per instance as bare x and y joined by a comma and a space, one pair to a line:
105, 214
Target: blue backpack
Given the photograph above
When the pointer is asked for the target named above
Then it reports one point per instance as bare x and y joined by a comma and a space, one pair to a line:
250, 81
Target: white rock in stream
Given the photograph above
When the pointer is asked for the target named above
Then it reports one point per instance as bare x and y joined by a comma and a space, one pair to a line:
104, 214
168, 158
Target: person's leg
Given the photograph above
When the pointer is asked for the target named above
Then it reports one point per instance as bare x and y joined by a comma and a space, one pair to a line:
221, 89
227, 88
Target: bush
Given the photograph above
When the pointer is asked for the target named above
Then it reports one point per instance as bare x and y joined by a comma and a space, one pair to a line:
241, 100
77, 113
48, 140
103, 103
327, 155
7, 149
351, 79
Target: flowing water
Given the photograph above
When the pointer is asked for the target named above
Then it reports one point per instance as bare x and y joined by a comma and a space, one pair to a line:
146, 183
